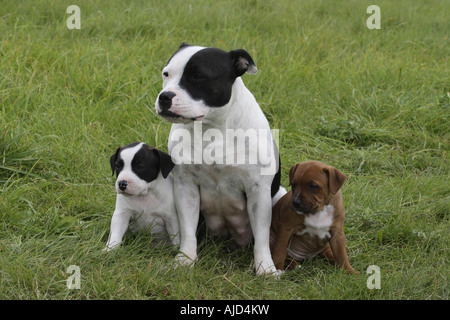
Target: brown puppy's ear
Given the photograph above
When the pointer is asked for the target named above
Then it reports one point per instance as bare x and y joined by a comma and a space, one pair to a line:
165, 162
335, 179
113, 160
292, 173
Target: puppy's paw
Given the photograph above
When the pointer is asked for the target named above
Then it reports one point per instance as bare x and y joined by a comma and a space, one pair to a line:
352, 271
176, 240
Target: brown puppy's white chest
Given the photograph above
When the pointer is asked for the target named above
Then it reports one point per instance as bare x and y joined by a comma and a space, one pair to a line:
318, 224
313, 234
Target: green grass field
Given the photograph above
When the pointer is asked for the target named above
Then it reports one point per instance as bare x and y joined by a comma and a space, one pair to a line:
373, 103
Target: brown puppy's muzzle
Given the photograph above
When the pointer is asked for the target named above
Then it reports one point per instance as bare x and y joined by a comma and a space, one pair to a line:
301, 205
297, 204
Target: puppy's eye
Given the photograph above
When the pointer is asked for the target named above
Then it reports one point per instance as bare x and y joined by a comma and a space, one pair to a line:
293, 186
313, 187
140, 166
165, 74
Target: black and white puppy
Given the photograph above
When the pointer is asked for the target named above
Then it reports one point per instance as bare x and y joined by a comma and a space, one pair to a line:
144, 194
204, 85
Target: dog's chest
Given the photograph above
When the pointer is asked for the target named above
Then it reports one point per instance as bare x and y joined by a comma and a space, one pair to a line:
150, 212
221, 189
319, 224
223, 202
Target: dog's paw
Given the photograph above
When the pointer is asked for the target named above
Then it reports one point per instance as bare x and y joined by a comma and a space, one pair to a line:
266, 269
182, 260
109, 248
277, 274
353, 271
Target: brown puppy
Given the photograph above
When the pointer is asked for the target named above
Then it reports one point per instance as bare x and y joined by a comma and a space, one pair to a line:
309, 219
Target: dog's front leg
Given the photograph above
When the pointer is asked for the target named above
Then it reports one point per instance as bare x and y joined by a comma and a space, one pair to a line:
187, 202
279, 249
119, 225
259, 207
337, 245
172, 229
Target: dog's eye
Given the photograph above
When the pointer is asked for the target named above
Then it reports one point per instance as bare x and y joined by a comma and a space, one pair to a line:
140, 166
199, 77
118, 165
293, 186
313, 187
165, 74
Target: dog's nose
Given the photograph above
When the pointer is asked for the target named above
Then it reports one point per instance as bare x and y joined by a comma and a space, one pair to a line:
296, 202
123, 185
165, 99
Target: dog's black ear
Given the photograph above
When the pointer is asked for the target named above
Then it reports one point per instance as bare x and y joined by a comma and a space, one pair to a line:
335, 179
184, 44
292, 173
113, 160
242, 62
165, 162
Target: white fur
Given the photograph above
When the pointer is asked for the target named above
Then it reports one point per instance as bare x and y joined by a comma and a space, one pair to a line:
144, 206
182, 103
236, 196
136, 186
318, 224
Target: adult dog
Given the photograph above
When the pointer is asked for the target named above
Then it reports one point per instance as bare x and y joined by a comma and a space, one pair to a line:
232, 184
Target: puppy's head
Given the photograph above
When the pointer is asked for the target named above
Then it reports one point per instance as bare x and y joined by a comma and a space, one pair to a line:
197, 80
313, 184
137, 165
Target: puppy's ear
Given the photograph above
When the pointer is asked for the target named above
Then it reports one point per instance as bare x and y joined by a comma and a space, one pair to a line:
335, 179
242, 62
113, 160
165, 162
292, 173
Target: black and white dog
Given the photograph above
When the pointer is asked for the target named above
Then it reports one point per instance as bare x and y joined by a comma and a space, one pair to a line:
144, 194
211, 109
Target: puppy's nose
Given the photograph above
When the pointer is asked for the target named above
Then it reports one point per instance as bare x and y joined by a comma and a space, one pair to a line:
296, 202
123, 185
165, 99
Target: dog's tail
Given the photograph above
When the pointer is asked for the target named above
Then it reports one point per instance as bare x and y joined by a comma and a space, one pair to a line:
277, 190
281, 192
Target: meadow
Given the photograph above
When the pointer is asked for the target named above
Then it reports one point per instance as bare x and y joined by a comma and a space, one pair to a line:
373, 103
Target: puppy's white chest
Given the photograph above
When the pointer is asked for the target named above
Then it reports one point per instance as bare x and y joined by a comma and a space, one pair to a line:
319, 224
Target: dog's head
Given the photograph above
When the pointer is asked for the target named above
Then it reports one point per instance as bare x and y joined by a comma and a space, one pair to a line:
313, 184
198, 79
137, 165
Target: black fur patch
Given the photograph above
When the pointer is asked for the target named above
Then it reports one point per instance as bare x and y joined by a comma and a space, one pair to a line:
208, 76
146, 163
210, 73
276, 182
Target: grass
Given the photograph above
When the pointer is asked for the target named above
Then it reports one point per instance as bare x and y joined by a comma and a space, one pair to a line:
373, 103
